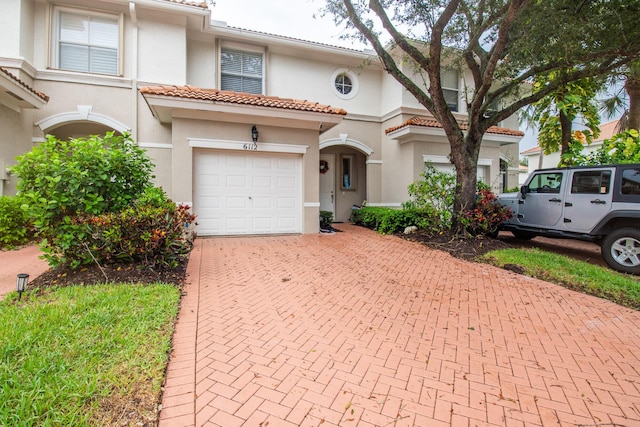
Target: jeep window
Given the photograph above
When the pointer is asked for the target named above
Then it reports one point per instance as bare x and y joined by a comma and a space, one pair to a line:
546, 183
631, 181
591, 182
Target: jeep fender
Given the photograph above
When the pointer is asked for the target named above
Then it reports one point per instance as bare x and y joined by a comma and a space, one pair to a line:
617, 219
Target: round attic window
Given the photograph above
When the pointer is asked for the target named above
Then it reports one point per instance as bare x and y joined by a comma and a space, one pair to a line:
345, 83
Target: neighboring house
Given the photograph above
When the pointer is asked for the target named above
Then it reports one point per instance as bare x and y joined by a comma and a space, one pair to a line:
539, 160
333, 129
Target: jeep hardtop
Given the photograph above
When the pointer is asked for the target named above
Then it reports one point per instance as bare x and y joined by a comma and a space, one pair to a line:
594, 203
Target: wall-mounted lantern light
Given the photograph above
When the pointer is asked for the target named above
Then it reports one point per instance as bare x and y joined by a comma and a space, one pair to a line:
21, 284
254, 133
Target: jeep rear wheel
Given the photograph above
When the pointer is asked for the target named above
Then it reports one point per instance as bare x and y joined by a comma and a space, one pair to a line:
621, 250
523, 235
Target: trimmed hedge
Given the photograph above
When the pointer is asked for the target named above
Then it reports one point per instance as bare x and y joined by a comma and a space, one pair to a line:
15, 227
388, 220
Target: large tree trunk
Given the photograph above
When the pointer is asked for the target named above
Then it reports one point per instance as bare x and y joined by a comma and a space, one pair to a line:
632, 86
464, 156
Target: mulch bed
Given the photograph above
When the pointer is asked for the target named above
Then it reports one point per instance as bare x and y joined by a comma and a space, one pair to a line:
113, 273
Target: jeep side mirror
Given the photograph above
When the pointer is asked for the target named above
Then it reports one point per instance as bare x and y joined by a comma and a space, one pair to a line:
524, 190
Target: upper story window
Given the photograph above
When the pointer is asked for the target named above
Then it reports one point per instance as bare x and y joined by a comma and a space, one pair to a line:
450, 88
345, 83
86, 42
241, 71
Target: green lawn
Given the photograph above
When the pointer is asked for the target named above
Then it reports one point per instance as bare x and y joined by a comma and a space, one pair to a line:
591, 279
80, 356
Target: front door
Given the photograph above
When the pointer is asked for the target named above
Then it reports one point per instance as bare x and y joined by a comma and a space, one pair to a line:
328, 183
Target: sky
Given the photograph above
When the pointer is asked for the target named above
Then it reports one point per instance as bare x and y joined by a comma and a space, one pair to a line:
292, 18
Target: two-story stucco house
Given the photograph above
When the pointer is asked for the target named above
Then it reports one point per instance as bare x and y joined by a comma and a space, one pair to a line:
258, 132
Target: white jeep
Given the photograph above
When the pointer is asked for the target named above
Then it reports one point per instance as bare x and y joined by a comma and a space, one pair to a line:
594, 203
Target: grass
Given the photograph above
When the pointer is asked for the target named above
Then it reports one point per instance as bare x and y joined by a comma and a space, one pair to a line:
80, 355
591, 279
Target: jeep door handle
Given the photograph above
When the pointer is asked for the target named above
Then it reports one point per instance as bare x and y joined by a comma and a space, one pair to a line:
598, 202
555, 200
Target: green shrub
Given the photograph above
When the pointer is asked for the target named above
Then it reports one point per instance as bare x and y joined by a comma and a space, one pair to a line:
326, 218
155, 236
435, 190
60, 179
388, 220
15, 227
63, 183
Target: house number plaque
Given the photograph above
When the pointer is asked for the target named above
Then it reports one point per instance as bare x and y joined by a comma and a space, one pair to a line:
251, 146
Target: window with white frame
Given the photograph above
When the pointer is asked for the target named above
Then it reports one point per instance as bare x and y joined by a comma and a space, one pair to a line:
450, 88
86, 41
345, 83
241, 71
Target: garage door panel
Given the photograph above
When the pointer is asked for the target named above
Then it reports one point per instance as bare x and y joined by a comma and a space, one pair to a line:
210, 203
262, 202
247, 193
286, 202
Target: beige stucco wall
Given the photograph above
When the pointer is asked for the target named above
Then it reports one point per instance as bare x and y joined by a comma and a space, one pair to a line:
162, 52
182, 158
15, 139
303, 78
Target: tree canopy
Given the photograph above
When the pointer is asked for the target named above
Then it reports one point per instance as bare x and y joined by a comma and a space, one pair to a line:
502, 45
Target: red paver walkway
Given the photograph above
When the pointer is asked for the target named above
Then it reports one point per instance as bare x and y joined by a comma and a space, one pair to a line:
12, 263
359, 329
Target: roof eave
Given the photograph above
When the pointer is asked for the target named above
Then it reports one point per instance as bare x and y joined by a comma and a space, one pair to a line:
166, 108
16, 96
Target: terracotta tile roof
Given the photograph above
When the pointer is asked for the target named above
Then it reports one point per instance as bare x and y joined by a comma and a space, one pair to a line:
532, 150
215, 95
432, 123
296, 39
23, 84
200, 4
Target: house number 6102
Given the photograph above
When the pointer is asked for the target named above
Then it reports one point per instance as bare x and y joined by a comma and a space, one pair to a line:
252, 146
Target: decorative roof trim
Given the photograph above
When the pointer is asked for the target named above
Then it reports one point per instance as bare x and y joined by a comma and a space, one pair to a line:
432, 123
229, 97
39, 94
200, 4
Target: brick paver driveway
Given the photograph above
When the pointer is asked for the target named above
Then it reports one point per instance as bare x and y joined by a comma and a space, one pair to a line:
358, 329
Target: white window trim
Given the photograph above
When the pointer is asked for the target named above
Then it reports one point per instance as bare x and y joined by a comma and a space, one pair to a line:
267, 147
243, 48
354, 82
55, 27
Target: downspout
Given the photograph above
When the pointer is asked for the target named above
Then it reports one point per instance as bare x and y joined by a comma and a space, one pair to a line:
134, 70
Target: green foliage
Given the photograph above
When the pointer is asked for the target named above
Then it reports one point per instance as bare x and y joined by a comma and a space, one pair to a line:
68, 354
60, 179
434, 191
573, 99
388, 220
15, 227
156, 236
486, 215
74, 190
326, 218
621, 148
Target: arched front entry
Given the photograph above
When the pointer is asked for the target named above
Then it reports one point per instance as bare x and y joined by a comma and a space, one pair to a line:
343, 176
80, 124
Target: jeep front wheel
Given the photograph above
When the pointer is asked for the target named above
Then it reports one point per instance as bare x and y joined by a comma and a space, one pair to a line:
621, 250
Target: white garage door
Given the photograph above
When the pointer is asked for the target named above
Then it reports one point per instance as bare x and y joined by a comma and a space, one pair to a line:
247, 192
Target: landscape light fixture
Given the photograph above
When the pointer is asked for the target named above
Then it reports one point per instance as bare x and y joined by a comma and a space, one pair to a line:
254, 133
21, 284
